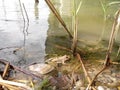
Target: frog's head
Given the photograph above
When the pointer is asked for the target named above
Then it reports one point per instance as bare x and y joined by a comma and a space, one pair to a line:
67, 57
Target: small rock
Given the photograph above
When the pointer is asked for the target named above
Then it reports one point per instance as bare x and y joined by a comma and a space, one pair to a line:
113, 74
101, 88
79, 83
41, 68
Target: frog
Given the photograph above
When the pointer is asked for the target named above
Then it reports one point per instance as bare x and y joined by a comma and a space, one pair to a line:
60, 59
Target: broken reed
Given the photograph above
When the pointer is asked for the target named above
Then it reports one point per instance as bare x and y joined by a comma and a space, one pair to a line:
74, 22
112, 37
74, 28
74, 25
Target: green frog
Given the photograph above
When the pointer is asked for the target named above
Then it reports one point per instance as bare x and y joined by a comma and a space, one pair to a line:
60, 59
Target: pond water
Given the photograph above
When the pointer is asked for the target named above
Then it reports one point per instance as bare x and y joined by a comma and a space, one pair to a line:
23, 47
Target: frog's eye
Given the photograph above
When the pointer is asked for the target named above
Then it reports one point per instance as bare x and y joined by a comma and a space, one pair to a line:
67, 56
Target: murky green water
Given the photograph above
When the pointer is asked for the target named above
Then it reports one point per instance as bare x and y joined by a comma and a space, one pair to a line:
45, 32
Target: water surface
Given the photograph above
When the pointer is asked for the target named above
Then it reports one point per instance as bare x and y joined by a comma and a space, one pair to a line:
45, 32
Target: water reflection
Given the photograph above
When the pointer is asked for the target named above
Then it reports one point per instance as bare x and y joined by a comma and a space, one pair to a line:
35, 45
30, 45
36, 10
57, 36
90, 26
4, 9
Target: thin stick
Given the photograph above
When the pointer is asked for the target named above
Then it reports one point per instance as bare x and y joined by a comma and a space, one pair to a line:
111, 41
95, 77
6, 69
83, 66
84, 69
63, 48
58, 16
21, 70
74, 45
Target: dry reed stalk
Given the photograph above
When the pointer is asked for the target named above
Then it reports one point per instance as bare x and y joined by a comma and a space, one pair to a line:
6, 69
74, 27
84, 69
74, 45
63, 48
58, 16
112, 38
21, 70
90, 83
14, 85
110, 46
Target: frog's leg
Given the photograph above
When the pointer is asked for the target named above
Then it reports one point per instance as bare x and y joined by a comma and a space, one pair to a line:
63, 62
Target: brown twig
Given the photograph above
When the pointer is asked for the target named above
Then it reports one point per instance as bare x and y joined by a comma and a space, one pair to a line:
90, 84
51, 6
6, 69
21, 70
84, 69
83, 66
